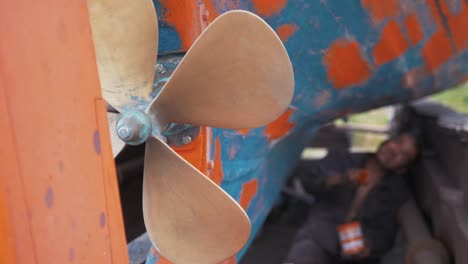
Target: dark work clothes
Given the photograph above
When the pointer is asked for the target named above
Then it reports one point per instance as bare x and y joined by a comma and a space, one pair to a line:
318, 238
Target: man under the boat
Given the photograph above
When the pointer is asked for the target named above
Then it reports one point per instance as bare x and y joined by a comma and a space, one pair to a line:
354, 189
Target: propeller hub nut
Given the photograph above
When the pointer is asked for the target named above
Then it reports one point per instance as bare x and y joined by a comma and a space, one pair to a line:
125, 133
133, 127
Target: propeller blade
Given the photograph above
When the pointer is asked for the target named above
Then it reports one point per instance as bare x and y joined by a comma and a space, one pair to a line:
125, 37
236, 75
117, 144
187, 216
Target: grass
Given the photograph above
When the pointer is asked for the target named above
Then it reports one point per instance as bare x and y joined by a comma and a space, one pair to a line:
456, 98
369, 141
379, 116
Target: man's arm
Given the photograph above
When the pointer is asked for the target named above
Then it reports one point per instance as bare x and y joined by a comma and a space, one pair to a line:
325, 173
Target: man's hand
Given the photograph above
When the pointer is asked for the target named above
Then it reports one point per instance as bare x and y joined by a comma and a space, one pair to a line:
335, 180
359, 176
351, 176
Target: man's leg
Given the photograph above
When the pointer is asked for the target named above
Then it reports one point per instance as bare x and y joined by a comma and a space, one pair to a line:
307, 251
317, 240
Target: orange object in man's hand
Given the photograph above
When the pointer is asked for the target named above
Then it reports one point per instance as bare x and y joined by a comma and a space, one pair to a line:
351, 239
359, 176
363, 177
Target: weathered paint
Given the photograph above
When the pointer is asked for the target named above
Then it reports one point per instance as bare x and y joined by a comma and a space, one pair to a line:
58, 177
286, 31
432, 4
243, 132
345, 64
348, 56
392, 44
280, 127
413, 28
380, 10
414, 76
249, 190
459, 27
176, 13
269, 7
437, 50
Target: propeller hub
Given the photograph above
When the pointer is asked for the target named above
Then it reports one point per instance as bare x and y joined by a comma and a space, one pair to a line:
133, 127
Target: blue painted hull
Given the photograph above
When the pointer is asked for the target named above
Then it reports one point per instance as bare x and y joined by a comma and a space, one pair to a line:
347, 57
